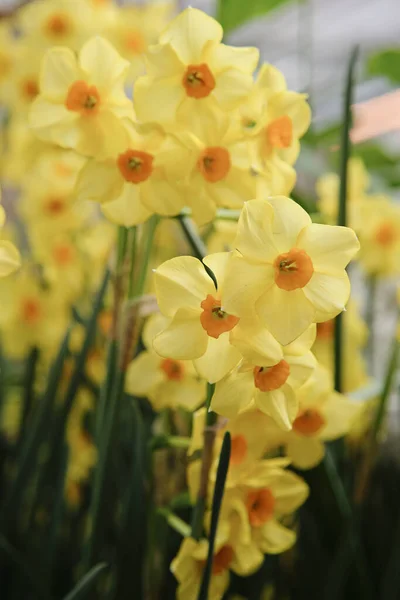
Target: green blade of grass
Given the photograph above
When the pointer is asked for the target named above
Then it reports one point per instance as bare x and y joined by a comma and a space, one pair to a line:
342, 211
219, 489
86, 584
18, 561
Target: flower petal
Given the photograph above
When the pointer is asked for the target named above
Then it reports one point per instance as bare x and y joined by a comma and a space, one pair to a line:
254, 238
144, 374
102, 64
127, 209
288, 220
219, 358
184, 338
301, 368
158, 99
286, 314
275, 538
256, 344
232, 87
188, 394
182, 282
98, 181
330, 248
281, 405
58, 73
10, 258
233, 393
290, 491
339, 413
162, 197
305, 452
328, 293
244, 283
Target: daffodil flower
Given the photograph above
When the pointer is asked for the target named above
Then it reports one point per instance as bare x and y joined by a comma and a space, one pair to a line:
292, 271
10, 259
82, 100
190, 70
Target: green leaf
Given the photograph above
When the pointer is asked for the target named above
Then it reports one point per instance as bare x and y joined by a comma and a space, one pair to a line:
385, 63
86, 583
342, 213
232, 13
18, 560
219, 489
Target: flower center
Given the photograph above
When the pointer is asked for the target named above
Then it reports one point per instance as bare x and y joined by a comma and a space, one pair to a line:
238, 449
293, 270
386, 235
63, 254
58, 25
222, 560
30, 89
135, 166
280, 132
55, 206
30, 311
173, 369
198, 81
325, 330
215, 320
268, 379
214, 163
83, 98
260, 506
309, 422
135, 43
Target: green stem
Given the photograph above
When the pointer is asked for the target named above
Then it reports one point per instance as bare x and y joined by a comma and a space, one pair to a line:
29, 392
175, 522
133, 243
387, 387
223, 214
146, 245
370, 318
342, 212
209, 434
169, 441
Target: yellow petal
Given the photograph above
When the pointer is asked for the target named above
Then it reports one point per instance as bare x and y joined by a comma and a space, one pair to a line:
289, 219
182, 282
158, 99
144, 374
286, 314
303, 343
330, 247
305, 452
102, 64
184, 338
219, 358
218, 263
244, 59
255, 343
295, 106
254, 238
248, 559
232, 88
46, 118
339, 413
276, 538
189, 32
290, 491
271, 79
233, 394
301, 368
188, 394
58, 73
153, 326
162, 197
10, 259
328, 293
127, 209
281, 405
244, 283
98, 181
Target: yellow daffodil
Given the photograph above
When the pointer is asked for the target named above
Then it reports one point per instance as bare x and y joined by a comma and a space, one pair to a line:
290, 269
269, 384
23, 84
328, 185
199, 329
222, 237
218, 168
30, 316
10, 259
190, 70
379, 233
188, 567
8, 50
82, 100
323, 415
164, 381
141, 179
275, 117
134, 28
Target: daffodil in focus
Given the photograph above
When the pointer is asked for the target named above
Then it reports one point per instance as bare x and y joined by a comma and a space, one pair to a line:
323, 415
218, 165
188, 567
10, 259
82, 100
199, 328
290, 269
141, 179
164, 381
269, 384
190, 71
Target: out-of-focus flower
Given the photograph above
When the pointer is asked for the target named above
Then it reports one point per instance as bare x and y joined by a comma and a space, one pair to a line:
190, 71
82, 100
290, 269
166, 382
